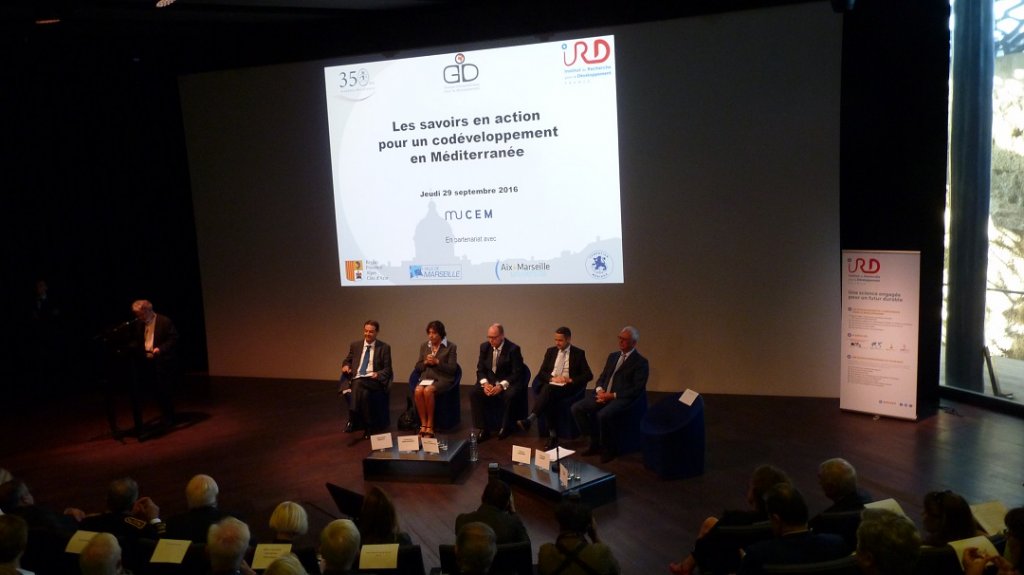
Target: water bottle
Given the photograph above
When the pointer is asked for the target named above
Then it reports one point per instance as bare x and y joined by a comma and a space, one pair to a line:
474, 453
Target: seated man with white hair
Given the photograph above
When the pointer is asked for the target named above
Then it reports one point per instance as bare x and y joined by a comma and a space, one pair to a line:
339, 547
226, 545
101, 556
193, 525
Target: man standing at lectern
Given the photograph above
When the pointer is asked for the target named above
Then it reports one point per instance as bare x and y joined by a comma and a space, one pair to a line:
499, 372
623, 379
154, 341
367, 368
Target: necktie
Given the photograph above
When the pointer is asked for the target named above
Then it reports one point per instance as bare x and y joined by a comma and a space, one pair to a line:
618, 364
366, 360
150, 330
494, 361
560, 367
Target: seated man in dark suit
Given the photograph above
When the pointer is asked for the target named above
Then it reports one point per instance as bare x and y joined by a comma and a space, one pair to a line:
226, 545
194, 525
563, 373
366, 368
622, 380
499, 372
475, 548
498, 511
838, 481
128, 516
793, 543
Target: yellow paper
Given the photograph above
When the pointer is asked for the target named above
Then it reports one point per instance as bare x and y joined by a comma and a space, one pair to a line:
379, 556
267, 552
170, 551
79, 540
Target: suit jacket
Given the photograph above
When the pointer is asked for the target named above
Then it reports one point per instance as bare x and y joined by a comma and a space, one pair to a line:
791, 549
579, 369
510, 364
631, 379
122, 526
597, 556
448, 363
194, 524
508, 527
165, 337
381, 361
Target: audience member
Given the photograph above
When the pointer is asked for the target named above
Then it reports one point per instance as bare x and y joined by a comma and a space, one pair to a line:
127, 516
475, 548
13, 540
793, 543
226, 545
497, 510
499, 373
711, 550
101, 556
16, 499
571, 553
438, 363
947, 517
286, 565
838, 481
378, 520
623, 379
201, 494
887, 543
339, 547
975, 562
290, 522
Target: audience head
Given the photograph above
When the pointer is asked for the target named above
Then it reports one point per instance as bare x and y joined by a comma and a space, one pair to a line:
378, 521
201, 491
764, 477
13, 539
1015, 536
947, 517
887, 543
496, 494
573, 515
475, 548
226, 543
101, 556
122, 494
339, 545
289, 520
837, 478
13, 494
286, 565
785, 507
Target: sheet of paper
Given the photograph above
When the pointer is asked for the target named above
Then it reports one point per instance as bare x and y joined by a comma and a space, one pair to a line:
170, 551
983, 544
426, 382
689, 396
79, 540
430, 445
381, 441
556, 384
990, 516
521, 454
541, 460
408, 443
266, 553
559, 453
379, 556
563, 475
887, 504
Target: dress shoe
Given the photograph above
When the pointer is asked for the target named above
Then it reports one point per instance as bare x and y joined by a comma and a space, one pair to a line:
551, 444
523, 424
484, 436
592, 450
607, 455
503, 433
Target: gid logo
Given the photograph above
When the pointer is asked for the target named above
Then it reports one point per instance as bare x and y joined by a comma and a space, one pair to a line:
869, 266
595, 53
460, 71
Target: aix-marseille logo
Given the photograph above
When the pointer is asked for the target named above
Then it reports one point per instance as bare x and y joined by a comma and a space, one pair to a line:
599, 264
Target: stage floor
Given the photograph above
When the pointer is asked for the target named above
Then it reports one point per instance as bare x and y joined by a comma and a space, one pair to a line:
266, 441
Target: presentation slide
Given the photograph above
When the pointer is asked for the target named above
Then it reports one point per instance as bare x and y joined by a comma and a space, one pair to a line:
492, 166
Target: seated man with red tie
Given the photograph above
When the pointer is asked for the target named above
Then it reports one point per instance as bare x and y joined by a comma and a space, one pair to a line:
367, 368
622, 380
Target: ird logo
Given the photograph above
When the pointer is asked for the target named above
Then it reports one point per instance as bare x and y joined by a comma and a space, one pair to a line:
595, 53
869, 266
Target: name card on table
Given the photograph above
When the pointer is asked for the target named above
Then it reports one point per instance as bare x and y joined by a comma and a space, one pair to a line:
384, 556
559, 453
688, 397
381, 441
563, 475
266, 553
541, 460
171, 551
408, 443
521, 454
430, 445
888, 505
79, 540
